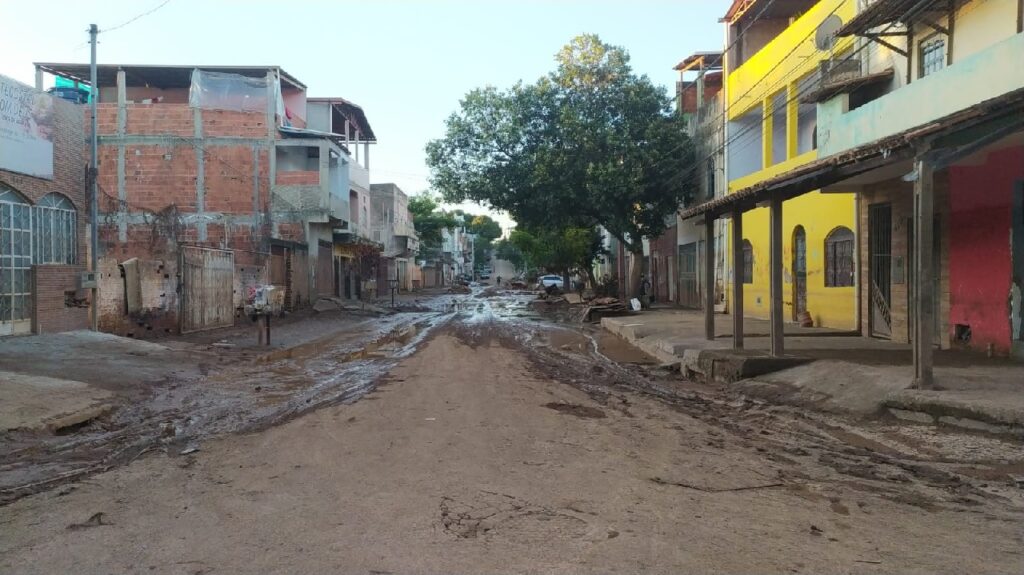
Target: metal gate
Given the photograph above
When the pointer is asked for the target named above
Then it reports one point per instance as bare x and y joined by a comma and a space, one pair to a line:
799, 272
880, 244
325, 269
15, 268
207, 288
689, 290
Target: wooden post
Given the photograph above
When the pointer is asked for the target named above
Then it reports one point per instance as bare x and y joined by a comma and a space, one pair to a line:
737, 278
924, 299
775, 288
709, 276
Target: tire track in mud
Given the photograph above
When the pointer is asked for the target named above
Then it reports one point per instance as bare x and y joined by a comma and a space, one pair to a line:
815, 455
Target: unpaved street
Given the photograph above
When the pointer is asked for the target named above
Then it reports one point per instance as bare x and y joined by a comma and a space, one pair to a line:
504, 444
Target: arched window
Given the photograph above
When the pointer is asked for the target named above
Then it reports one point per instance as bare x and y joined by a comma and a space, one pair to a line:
15, 258
748, 262
55, 230
839, 268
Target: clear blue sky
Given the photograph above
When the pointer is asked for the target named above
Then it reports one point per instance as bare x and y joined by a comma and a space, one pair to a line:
407, 63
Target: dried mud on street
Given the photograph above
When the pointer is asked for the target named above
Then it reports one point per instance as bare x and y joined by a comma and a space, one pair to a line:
495, 442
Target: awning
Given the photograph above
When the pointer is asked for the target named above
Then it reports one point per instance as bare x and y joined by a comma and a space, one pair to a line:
1006, 111
354, 113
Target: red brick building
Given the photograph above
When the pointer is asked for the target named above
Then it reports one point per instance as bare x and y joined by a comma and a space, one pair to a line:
42, 216
211, 182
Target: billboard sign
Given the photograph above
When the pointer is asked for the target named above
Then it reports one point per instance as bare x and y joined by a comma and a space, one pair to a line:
26, 129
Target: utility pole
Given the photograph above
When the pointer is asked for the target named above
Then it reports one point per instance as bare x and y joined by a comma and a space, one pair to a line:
93, 184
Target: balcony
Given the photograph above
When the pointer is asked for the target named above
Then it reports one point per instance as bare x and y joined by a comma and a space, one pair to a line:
762, 75
405, 230
358, 175
987, 74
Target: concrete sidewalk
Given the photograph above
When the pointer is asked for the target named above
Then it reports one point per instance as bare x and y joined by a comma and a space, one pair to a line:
835, 371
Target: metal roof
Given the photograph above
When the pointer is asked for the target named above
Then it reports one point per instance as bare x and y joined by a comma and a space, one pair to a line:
711, 60
766, 8
884, 12
160, 76
353, 113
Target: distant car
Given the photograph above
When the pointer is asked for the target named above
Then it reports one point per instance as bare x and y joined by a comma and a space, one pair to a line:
551, 280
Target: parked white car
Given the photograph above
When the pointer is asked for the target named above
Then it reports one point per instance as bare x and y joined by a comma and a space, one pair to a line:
551, 280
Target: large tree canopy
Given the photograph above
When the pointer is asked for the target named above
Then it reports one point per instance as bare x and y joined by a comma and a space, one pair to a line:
590, 144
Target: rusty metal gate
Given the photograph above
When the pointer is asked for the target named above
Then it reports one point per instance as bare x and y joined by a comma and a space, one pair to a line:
207, 289
799, 272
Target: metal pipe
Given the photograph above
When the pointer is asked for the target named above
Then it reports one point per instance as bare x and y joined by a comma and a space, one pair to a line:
93, 183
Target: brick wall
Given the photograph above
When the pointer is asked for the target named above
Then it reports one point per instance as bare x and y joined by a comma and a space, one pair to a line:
52, 308
70, 158
900, 196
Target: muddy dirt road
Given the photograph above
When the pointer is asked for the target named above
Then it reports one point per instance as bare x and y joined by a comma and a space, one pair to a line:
492, 442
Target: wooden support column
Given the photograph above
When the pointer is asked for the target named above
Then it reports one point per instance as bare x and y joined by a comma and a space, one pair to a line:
737, 279
924, 298
709, 276
775, 288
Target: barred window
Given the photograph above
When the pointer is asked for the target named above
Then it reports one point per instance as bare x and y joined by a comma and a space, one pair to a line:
839, 266
932, 52
54, 231
748, 262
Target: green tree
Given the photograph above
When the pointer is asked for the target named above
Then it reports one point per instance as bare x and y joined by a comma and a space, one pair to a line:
504, 249
590, 144
429, 220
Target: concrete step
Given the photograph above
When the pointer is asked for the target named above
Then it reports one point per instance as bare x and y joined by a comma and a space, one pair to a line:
729, 366
1000, 412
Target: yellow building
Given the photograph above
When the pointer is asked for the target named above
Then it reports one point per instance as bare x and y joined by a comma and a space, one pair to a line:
778, 54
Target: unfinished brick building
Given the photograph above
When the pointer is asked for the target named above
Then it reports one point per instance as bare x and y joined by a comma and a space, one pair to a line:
210, 184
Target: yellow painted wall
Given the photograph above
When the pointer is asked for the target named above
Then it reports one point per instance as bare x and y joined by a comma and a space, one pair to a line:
819, 214
778, 66
762, 74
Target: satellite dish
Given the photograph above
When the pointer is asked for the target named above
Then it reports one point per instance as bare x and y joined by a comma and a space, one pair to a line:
825, 37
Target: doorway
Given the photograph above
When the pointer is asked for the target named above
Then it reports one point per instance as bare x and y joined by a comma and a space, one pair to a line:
15, 264
689, 293
799, 272
880, 262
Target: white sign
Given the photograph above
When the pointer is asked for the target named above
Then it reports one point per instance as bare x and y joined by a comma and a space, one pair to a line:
26, 129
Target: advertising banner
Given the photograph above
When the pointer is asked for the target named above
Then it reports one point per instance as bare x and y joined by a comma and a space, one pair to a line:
26, 129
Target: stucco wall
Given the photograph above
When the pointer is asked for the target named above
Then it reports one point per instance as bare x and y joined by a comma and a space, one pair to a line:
980, 257
979, 77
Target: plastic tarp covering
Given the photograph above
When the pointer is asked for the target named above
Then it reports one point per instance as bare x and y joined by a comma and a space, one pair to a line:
223, 91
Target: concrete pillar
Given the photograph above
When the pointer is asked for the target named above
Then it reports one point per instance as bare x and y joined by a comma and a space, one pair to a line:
39, 79
122, 130
775, 288
356, 146
709, 276
737, 279
366, 155
792, 121
924, 298
766, 133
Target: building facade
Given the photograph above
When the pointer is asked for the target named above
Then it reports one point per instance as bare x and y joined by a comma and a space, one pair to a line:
393, 228
211, 183
770, 130
43, 209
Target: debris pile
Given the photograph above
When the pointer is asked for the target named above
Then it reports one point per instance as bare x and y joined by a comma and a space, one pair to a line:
585, 309
463, 289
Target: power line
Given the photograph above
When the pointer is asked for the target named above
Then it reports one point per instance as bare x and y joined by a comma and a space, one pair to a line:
136, 17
